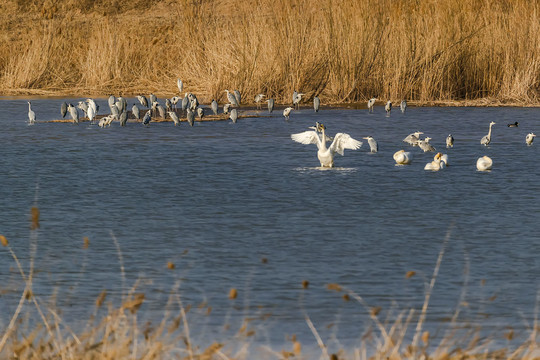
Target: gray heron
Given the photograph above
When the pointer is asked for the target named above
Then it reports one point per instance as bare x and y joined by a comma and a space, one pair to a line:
231, 98
287, 112
297, 99
402, 157
91, 114
168, 105
123, 104
174, 118
63, 109
174, 101
370, 104
238, 97
258, 99
270, 105
84, 107
74, 113
147, 118
214, 106
123, 118
449, 141
153, 98
161, 111
180, 85
31, 114
234, 115
412, 139
143, 101
487, 138
115, 111
425, 145
185, 102
226, 108
373, 146
200, 113
190, 117
388, 107
325, 154
111, 100
136, 111
529, 138
403, 106
484, 163
316, 103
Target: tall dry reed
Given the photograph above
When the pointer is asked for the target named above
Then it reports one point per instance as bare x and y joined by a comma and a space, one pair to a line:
342, 50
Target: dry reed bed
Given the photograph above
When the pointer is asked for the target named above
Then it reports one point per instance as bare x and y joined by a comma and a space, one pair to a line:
342, 50
120, 335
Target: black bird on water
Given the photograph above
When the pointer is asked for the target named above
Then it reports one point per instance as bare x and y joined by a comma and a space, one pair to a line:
513, 125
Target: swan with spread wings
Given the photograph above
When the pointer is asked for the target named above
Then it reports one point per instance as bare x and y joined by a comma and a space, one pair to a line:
340, 142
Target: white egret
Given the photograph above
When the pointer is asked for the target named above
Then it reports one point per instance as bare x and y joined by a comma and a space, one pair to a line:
487, 139
484, 163
529, 138
435, 165
449, 141
325, 155
287, 112
31, 114
373, 146
402, 157
370, 104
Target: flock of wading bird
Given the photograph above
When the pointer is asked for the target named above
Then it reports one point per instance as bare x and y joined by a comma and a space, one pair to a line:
190, 106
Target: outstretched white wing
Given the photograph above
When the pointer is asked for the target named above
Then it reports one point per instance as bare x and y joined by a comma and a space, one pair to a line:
344, 141
307, 137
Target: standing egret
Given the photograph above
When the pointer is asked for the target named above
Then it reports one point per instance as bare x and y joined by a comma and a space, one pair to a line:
388, 107
74, 113
147, 118
287, 112
403, 106
231, 98
258, 99
143, 100
31, 114
234, 115
63, 109
316, 103
373, 146
325, 155
214, 106
484, 163
371, 104
226, 108
402, 157
449, 141
238, 97
123, 118
270, 105
200, 113
516, 124
174, 118
180, 85
136, 111
487, 138
190, 117
529, 138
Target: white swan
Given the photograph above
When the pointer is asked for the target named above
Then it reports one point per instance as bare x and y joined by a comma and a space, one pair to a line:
341, 142
444, 160
436, 164
529, 138
402, 157
412, 139
487, 139
484, 163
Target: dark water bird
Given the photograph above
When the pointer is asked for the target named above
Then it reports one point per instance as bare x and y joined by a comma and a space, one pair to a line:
147, 118
487, 138
190, 117
123, 118
214, 106
63, 109
174, 118
136, 112
234, 115
316, 103
449, 141
31, 114
270, 105
516, 124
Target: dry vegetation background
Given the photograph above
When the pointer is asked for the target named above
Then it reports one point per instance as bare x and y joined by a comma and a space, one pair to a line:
342, 50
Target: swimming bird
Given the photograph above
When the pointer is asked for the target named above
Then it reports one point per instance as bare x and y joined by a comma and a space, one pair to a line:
373, 146
370, 104
325, 155
287, 112
63, 109
270, 105
74, 113
190, 117
214, 106
174, 118
147, 118
388, 107
136, 112
529, 138
234, 115
402, 157
444, 160
484, 163
231, 98
435, 165
487, 138
316, 103
31, 114
403, 106
425, 145
412, 139
516, 124
258, 99
449, 141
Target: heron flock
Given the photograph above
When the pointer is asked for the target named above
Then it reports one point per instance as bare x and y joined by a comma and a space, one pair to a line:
189, 106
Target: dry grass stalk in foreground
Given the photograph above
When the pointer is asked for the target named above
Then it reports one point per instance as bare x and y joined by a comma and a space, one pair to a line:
341, 50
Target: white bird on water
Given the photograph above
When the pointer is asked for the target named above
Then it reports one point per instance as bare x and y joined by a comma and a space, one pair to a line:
402, 157
373, 146
31, 114
529, 138
487, 139
325, 154
436, 164
484, 163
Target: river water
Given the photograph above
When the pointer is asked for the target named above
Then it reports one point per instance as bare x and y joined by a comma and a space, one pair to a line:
243, 206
